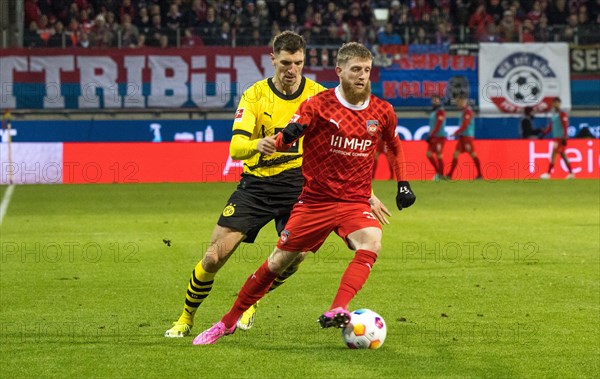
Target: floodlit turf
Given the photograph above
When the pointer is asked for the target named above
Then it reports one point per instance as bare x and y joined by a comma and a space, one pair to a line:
477, 279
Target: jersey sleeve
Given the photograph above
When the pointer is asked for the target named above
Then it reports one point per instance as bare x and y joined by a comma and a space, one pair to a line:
394, 145
466, 120
244, 124
439, 120
564, 121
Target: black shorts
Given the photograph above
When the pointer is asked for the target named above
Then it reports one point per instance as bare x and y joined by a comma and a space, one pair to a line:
257, 201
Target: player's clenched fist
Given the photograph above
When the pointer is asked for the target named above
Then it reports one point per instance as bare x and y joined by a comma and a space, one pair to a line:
292, 132
405, 197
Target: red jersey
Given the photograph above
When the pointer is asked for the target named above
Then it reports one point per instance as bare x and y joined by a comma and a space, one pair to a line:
339, 146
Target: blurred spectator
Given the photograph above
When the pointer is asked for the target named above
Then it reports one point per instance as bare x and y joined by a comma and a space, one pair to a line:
527, 31
156, 31
460, 10
31, 37
594, 10
558, 12
210, 27
442, 36
388, 36
293, 24
405, 28
129, 33
73, 13
85, 20
334, 35
224, 37
60, 9
141, 40
101, 36
196, 13
422, 37
495, 9
419, 8
84, 40
318, 31
264, 16
143, 21
111, 23
583, 17
189, 39
536, 12
174, 19
478, 20
508, 28
395, 12
56, 39
329, 15
44, 30
32, 12
490, 34
73, 32
542, 30
126, 8
254, 39
163, 41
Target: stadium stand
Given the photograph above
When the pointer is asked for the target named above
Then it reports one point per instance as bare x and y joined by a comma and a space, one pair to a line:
176, 23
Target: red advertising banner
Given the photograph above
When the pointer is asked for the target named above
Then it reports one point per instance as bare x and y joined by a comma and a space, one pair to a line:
210, 162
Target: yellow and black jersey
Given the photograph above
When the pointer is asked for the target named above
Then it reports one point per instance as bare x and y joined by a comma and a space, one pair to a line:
265, 111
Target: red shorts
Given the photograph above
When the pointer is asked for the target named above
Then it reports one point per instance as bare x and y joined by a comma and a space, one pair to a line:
436, 144
560, 144
465, 144
310, 224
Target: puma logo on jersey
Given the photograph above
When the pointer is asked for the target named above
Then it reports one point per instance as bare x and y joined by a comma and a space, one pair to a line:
336, 123
266, 114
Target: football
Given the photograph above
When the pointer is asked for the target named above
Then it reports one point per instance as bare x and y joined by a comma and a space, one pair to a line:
366, 330
524, 87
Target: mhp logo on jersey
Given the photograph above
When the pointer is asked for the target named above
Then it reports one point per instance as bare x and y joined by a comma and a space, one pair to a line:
372, 127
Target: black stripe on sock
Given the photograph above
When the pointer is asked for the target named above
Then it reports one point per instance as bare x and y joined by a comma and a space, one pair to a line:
196, 296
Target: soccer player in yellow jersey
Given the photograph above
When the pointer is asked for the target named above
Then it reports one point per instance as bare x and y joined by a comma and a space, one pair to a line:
271, 181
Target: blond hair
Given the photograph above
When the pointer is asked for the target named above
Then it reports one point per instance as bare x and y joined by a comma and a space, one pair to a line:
352, 50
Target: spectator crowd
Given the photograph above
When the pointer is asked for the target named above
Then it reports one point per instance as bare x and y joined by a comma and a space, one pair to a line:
189, 23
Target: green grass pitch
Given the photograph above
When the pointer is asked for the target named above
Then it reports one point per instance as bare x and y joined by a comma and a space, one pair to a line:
477, 279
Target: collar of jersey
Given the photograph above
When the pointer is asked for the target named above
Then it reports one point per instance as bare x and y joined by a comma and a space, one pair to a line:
282, 95
347, 104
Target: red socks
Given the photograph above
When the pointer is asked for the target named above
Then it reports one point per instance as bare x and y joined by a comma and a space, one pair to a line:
354, 277
253, 290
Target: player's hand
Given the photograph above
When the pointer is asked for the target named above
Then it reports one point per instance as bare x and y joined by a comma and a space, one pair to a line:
266, 145
379, 209
405, 197
292, 132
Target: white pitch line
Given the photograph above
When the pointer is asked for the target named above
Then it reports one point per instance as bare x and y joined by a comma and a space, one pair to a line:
5, 201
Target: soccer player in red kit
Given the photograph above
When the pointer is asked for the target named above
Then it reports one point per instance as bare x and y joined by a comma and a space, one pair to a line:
437, 136
559, 124
340, 128
466, 136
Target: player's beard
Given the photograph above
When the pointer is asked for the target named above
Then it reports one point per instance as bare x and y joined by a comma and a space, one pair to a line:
354, 95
